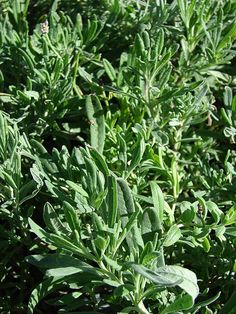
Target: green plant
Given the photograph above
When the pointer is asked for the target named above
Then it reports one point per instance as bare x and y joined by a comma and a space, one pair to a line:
117, 154
18, 185
115, 239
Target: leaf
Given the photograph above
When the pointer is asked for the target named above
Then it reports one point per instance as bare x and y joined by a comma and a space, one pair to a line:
229, 36
128, 234
71, 216
228, 97
219, 231
183, 11
159, 42
161, 137
28, 191
206, 244
198, 97
146, 39
91, 31
98, 223
60, 242
112, 200
101, 243
172, 236
147, 250
188, 215
97, 123
69, 300
215, 211
53, 221
175, 177
158, 201
76, 187
203, 304
52, 284
125, 199
113, 263
230, 216
4, 132
137, 155
42, 234
150, 220
159, 65
9, 180
170, 276
85, 75
56, 260
182, 302
91, 174
32, 94
231, 231
139, 46
69, 270
42, 290
164, 76
226, 117
126, 208
28, 58
100, 162
109, 69
169, 212
123, 290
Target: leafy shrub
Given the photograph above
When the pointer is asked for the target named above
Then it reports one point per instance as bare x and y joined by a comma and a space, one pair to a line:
117, 156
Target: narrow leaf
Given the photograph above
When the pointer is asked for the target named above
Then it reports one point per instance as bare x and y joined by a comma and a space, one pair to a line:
53, 221
109, 70
97, 122
100, 162
112, 201
158, 201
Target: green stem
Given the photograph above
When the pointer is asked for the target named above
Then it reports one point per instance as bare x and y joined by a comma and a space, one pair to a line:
142, 309
160, 150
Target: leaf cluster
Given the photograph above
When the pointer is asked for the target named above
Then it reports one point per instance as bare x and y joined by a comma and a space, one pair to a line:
117, 156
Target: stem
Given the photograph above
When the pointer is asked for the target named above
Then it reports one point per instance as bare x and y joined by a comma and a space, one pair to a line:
178, 137
142, 309
174, 166
160, 150
175, 177
137, 296
146, 89
147, 92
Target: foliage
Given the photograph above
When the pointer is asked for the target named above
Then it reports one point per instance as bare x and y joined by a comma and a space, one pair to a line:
117, 149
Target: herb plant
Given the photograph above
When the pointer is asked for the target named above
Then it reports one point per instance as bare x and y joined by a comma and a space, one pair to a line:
117, 149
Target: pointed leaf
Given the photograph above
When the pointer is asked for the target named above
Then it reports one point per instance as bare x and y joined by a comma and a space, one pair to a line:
53, 221
109, 69
97, 122
158, 201
172, 236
